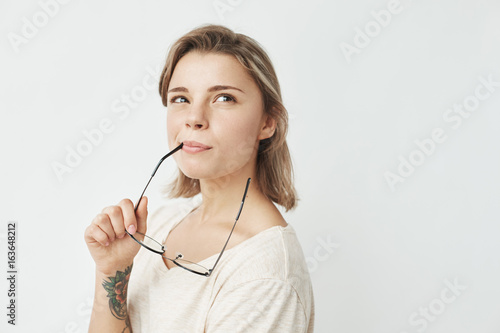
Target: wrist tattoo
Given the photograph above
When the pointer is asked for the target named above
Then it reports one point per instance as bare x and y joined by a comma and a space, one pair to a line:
117, 288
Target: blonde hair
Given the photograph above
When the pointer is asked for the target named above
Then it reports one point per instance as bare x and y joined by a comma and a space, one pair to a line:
274, 165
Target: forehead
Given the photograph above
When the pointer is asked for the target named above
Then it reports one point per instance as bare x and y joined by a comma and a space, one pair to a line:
207, 69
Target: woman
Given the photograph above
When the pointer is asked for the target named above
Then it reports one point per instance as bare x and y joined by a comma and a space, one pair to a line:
226, 120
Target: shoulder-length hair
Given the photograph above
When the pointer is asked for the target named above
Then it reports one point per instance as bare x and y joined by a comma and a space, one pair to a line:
274, 165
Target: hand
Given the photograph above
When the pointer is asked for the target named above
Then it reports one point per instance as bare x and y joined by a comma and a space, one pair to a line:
110, 246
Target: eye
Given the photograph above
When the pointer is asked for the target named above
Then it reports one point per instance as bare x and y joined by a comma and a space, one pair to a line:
178, 99
225, 98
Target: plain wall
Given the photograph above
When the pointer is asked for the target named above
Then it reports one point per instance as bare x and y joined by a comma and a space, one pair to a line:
394, 132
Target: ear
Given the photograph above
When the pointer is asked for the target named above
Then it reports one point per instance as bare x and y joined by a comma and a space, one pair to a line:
268, 127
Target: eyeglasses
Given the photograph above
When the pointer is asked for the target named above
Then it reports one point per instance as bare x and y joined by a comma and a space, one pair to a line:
157, 247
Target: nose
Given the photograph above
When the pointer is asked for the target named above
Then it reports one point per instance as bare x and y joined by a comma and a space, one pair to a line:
197, 117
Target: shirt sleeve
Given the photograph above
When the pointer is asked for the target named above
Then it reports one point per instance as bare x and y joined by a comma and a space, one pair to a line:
264, 305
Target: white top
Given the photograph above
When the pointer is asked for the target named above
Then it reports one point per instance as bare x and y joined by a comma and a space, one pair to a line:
260, 285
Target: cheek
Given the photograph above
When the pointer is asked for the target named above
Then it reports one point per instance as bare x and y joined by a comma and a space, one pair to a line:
233, 126
240, 139
243, 125
172, 127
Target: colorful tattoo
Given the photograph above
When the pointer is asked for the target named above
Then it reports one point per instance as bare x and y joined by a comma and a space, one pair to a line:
117, 293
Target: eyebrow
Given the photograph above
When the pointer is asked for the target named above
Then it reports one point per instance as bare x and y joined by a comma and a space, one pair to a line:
211, 89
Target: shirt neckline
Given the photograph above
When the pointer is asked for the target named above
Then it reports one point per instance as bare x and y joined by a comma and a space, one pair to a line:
165, 270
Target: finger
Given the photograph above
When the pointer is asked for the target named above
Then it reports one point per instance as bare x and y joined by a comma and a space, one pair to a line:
115, 214
104, 221
103, 211
106, 211
94, 234
142, 215
130, 222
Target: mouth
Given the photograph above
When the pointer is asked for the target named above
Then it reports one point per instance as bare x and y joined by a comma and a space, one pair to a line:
194, 147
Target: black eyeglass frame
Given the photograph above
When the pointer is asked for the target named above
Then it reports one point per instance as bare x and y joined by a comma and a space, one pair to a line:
209, 271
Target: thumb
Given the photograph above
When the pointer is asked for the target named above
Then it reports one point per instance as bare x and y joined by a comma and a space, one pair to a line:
142, 215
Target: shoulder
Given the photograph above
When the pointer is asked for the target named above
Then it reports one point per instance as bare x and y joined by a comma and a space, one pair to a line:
263, 305
274, 254
264, 285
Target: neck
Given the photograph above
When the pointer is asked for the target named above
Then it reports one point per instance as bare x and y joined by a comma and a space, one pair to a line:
222, 197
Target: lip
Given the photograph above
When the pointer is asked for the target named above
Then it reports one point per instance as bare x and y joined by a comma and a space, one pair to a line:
194, 147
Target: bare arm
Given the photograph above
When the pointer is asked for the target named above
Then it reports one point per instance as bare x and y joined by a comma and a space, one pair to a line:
110, 303
113, 252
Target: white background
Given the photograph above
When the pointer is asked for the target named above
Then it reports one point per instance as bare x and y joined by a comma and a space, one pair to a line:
352, 119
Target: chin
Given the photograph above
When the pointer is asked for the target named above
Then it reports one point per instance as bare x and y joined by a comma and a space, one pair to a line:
222, 170
196, 173
207, 174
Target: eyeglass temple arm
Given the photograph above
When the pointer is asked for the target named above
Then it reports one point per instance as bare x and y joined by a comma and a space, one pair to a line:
234, 225
154, 171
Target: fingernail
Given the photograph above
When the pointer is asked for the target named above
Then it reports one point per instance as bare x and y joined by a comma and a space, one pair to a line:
131, 229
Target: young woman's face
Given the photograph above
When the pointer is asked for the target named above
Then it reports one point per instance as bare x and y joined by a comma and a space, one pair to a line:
215, 108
